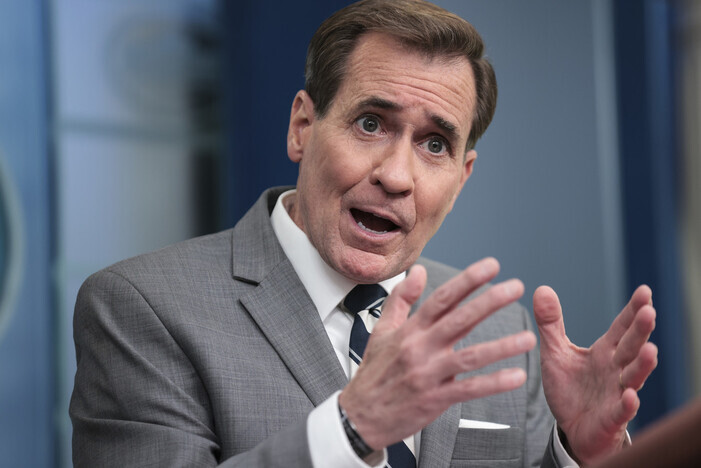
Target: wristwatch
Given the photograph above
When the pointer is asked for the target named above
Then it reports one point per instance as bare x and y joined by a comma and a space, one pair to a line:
360, 447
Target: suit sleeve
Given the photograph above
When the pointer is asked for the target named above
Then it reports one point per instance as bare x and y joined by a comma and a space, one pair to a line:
138, 400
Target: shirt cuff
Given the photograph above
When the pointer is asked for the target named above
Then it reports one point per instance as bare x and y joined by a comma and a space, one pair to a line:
562, 457
328, 444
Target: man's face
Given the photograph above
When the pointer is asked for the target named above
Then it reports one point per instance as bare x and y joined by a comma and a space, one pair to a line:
384, 166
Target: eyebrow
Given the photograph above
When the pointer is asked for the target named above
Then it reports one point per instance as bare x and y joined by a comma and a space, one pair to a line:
449, 128
379, 103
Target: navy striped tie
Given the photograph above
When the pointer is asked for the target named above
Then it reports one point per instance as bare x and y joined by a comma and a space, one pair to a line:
365, 302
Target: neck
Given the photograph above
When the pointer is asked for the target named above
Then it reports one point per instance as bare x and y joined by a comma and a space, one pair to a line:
290, 204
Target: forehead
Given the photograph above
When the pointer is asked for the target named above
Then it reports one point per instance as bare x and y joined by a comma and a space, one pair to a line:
380, 66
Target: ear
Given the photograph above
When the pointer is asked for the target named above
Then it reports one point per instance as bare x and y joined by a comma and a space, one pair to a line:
301, 120
468, 165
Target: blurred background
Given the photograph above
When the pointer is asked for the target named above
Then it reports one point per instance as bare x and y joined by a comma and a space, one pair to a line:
127, 125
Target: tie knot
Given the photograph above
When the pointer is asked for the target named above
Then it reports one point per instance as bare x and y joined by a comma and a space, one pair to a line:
364, 297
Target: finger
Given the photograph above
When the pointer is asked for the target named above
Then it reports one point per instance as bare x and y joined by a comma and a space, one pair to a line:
548, 317
450, 294
635, 374
455, 324
480, 386
480, 355
398, 304
641, 297
626, 408
636, 335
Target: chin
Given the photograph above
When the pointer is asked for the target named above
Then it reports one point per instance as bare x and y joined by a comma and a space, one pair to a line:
368, 268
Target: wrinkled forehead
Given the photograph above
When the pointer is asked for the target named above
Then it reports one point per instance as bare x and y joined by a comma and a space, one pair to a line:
382, 66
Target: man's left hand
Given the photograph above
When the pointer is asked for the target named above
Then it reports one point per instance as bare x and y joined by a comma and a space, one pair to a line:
592, 392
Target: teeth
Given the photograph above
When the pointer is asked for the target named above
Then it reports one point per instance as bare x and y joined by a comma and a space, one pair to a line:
360, 223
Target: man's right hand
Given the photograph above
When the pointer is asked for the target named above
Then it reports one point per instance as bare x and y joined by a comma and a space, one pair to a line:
408, 374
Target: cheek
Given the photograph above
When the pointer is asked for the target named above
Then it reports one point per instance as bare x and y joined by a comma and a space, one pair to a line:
343, 169
434, 204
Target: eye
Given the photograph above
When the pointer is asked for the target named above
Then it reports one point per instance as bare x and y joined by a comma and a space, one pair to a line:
369, 124
436, 145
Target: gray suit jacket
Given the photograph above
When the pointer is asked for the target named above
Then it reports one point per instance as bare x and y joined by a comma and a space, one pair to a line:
211, 352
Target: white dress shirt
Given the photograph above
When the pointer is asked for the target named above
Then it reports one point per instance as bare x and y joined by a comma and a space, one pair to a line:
328, 443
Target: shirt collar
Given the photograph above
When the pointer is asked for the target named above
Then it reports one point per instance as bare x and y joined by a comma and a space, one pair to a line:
325, 286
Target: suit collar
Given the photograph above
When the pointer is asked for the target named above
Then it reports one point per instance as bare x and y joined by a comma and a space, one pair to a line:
326, 287
255, 249
280, 305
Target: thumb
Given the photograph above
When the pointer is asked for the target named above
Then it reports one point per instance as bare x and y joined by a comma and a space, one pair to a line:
548, 317
396, 307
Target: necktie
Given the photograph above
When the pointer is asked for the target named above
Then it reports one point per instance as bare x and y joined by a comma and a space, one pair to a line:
365, 302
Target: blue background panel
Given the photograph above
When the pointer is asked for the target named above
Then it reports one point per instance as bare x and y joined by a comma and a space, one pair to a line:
26, 337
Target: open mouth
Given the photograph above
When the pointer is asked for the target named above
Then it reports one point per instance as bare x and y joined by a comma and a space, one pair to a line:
372, 223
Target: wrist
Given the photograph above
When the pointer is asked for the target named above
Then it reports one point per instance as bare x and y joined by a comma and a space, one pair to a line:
566, 445
357, 443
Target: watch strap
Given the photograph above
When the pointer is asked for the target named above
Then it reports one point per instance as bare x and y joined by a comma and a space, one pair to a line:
359, 446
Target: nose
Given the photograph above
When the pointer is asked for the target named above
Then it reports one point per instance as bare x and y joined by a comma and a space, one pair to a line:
394, 169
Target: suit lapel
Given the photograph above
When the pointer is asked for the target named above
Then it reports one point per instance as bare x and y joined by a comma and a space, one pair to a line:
281, 306
290, 322
438, 439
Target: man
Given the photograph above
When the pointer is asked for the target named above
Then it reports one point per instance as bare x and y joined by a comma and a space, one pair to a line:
233, 349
